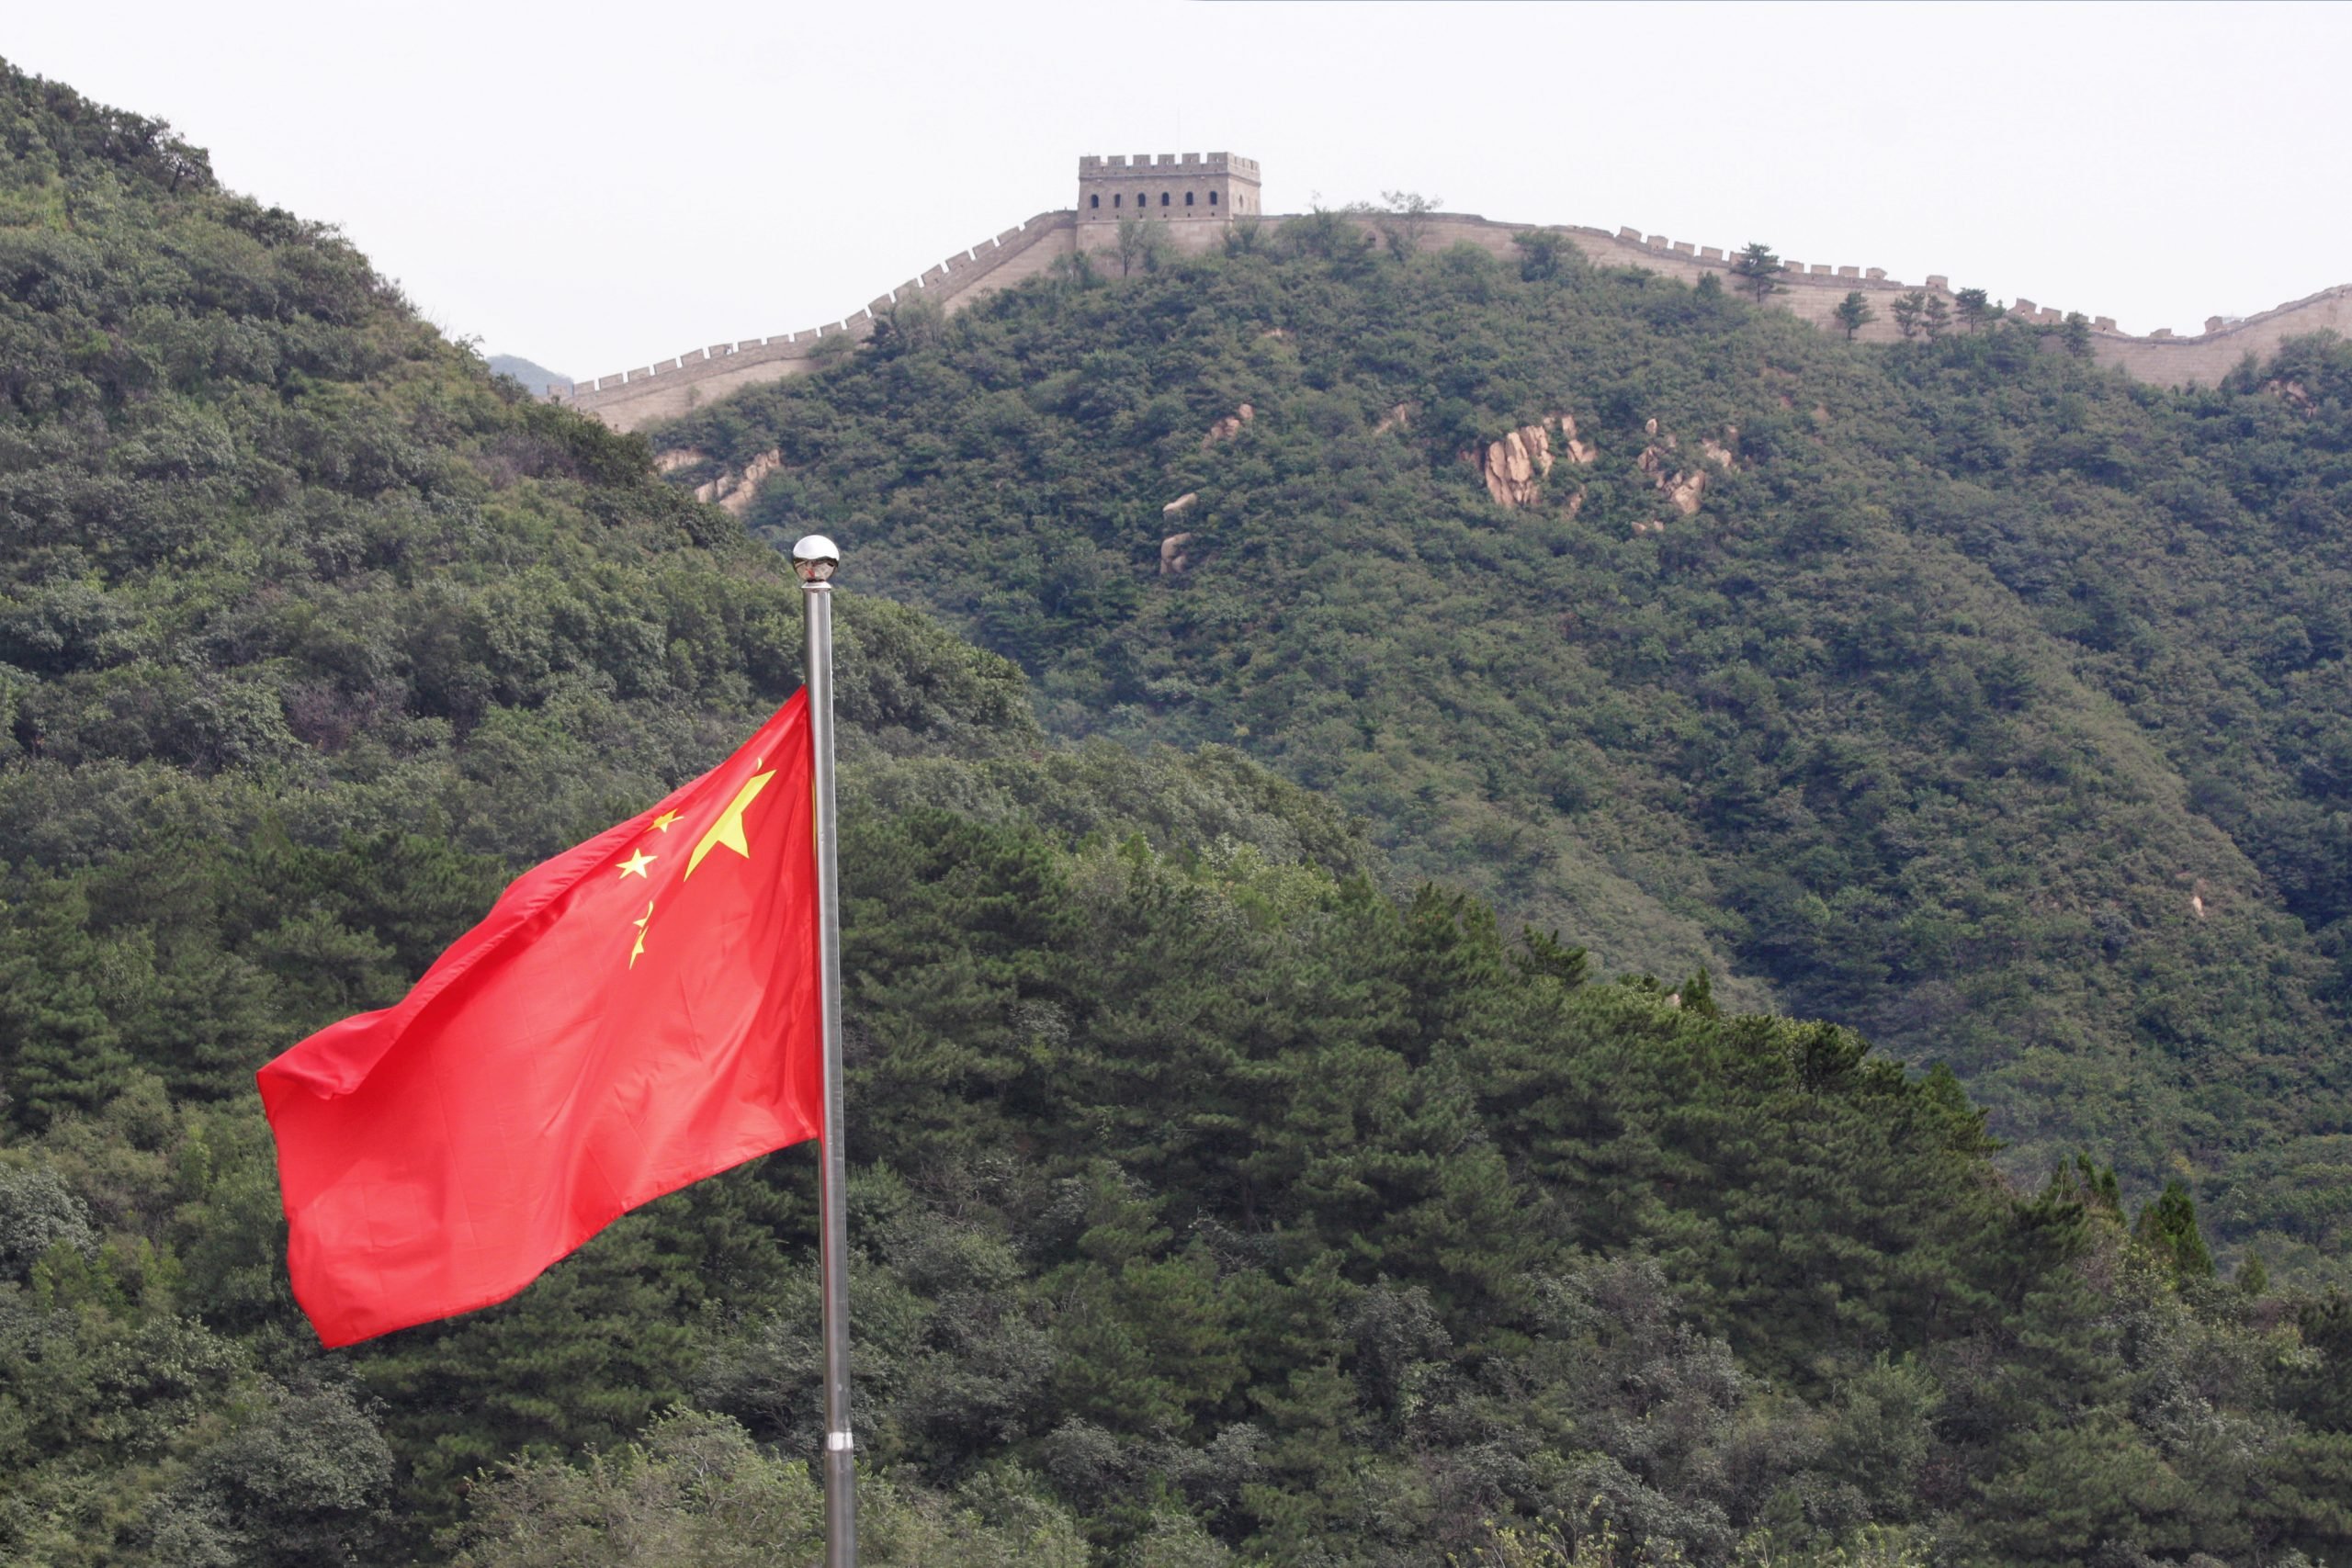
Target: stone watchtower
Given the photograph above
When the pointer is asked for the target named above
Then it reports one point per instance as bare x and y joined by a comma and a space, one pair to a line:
1197, 187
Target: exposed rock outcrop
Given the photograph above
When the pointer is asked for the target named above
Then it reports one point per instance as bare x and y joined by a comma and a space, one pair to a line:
733, 490
1172, 553
677, 457
1401, 417
1181, 503
2294, 394
1683, 487
1228, 427
1580, 453
1515, 467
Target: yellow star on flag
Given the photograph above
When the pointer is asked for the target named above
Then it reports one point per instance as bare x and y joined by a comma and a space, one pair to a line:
638, 952
662, 823
635, 865
729, 829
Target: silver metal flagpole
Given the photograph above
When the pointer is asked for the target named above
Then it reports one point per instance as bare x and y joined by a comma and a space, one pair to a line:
816, 560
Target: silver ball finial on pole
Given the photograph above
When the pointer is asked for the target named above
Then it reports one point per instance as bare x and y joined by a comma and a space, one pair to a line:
816, 558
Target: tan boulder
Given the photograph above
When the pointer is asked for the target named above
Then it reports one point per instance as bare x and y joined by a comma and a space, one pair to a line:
1515, 465
1682, 488
1183, 502
1228, 427
1172, 553
1580, 453
2294, 394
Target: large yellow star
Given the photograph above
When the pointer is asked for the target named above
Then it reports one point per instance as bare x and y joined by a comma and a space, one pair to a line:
729, 829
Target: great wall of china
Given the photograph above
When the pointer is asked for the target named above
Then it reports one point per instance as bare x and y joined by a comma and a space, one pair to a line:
1811, 291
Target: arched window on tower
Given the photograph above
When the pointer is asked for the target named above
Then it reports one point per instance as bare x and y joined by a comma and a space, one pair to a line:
1188, 198
1212, 198
1095, 200
1163, 199
1114, 200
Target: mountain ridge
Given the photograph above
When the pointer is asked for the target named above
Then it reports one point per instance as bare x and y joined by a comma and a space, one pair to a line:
1991, 831
673, 386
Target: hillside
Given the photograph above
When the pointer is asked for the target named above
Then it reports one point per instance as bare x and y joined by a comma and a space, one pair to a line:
1960, 692
1220, 1194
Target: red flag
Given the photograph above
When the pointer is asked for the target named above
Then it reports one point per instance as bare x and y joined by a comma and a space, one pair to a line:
634, 1015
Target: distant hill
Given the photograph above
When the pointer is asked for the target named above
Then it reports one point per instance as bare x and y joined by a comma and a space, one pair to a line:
535, 377
1958, 690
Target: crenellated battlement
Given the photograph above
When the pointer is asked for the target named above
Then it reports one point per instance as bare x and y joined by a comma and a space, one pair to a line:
1210, 162
1173, 188
1815, 290
1109, 189
668, 387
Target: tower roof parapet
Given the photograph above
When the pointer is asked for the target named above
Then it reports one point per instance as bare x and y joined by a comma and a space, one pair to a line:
1167, 162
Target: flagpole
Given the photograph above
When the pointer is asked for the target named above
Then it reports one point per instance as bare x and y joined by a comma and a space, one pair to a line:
816, 559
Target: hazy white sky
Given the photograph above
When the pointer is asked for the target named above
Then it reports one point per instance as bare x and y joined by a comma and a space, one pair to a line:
596, 186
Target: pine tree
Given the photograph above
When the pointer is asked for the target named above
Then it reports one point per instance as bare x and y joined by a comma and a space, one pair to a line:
2167, 1227
1854, 313
1759, 270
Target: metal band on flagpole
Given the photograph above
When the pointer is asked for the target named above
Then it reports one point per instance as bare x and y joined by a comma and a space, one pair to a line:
816, 560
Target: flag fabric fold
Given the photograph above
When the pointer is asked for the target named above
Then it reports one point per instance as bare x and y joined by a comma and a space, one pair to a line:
633, 1015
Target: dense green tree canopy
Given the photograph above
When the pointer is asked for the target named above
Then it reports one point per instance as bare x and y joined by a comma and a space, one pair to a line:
1961, 691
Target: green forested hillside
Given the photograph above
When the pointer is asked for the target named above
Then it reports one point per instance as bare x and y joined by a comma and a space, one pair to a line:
1215, 1202
1988, 702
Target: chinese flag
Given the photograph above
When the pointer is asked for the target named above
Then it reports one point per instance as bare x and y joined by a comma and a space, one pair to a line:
635, 1014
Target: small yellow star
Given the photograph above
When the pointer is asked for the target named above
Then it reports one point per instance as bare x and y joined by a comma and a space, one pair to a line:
662, 823
638, 952
635, 865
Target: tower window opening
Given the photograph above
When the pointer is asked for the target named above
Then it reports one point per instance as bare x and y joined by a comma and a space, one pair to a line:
1212, 198
1163, 199
1094, 200
1188, 198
